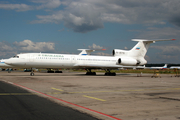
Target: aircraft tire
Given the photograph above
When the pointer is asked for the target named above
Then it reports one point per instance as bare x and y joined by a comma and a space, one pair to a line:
32, 74
90, 73
110, 74
58, 71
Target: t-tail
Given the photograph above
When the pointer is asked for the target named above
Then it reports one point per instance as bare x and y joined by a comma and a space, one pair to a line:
136, 55
165, 66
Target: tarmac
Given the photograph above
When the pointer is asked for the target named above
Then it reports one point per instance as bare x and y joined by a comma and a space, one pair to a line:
124, 96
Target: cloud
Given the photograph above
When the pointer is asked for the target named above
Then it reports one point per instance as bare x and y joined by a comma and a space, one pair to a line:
4, 47
159, 33
17, 7
87, 15
47, 3
29, 46
54, 18
94, 46
84, 16
8, 50
79, 17
170, 50
44, 4
168, 53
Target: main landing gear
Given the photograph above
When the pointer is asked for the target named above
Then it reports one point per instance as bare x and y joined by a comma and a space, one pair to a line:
109, 73
32, 72
89, 72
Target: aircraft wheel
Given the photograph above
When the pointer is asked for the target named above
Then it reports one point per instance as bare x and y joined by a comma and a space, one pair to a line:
32, 74
110, 74
114, 74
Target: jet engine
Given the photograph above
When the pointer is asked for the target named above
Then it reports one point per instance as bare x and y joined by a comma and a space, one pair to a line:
128, 61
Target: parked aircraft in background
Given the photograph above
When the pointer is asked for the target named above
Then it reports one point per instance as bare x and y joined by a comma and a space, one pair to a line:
133, 57
3, 65
175, 67
133, 67
158, 68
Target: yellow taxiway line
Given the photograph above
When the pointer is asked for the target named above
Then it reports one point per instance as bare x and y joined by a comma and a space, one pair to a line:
56, 89
94, 98
135, 90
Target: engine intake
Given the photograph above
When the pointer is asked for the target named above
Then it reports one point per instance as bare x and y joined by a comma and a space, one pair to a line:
128, 61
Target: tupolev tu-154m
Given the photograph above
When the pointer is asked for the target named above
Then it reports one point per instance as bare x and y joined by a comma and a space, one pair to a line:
84, 60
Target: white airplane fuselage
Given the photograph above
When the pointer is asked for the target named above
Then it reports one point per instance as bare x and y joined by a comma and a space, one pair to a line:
120, 58
46, 60
4, 65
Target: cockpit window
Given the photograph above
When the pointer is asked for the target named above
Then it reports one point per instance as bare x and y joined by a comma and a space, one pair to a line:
16, 57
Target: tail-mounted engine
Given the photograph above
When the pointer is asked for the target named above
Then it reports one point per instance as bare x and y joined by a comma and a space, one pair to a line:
128, 61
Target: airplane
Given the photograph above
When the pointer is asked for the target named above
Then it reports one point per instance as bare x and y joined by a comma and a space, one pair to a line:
158, 68
3, 65
133, 67
133, 57
175, 67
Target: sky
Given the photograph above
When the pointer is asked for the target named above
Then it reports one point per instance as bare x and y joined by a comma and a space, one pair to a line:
63, 26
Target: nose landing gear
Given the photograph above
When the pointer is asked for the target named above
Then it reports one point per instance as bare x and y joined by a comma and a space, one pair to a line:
32, 72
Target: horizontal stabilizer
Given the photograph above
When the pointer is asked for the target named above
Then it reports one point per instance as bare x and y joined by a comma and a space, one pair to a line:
88, 51
152, 41
85, 51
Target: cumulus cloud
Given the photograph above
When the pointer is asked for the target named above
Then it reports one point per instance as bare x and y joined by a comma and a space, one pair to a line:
168, 52
84, 16
171, 50
29, 46
79, 17
47, 3
159, 33
5, 47
8, 50
88, 15
94, 46
17, 7
42, 4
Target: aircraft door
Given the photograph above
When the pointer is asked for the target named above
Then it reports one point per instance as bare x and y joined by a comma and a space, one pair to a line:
31, 58
73, 59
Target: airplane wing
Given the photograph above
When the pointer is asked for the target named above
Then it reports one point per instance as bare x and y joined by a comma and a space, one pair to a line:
92, 66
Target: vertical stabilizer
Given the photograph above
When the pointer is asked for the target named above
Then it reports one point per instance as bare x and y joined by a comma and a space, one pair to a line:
140, 49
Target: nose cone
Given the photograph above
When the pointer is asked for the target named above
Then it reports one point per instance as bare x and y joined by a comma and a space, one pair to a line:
8, 62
